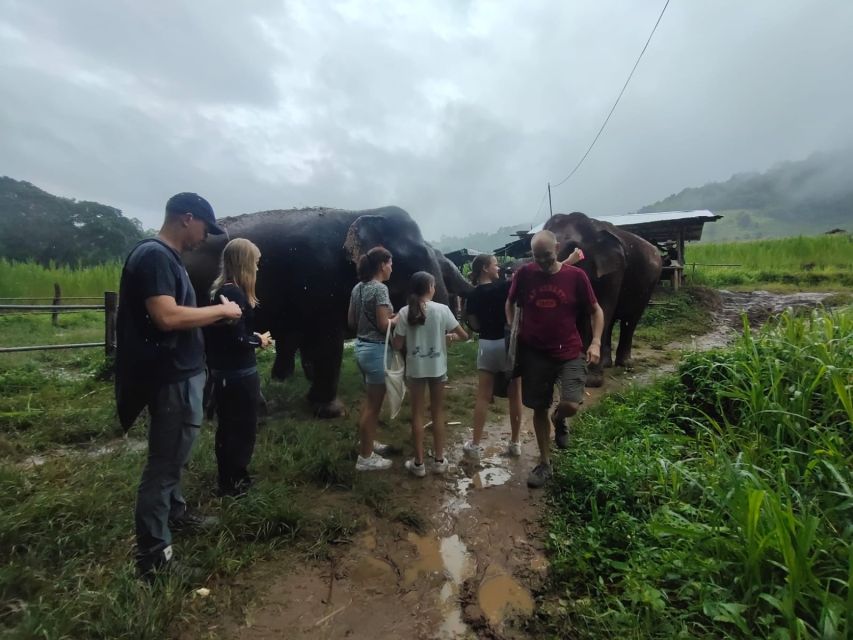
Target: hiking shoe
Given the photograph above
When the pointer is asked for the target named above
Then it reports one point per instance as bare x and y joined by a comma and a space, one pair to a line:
561, 432
373, 463
163, 563
514, 449
539, 476
473, 451
190, 521
439, 466
417, 470
239, 489
381, 449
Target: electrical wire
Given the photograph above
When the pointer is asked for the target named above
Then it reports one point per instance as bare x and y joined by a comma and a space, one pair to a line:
619, 97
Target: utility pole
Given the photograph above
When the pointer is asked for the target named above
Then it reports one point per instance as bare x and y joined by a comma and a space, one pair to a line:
550, 208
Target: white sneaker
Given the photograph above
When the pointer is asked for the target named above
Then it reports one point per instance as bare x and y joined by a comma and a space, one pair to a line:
373, 463
418, 470
381, 449
440, 467
514, 449
473, 451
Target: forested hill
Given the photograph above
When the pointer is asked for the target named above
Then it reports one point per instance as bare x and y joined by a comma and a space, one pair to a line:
37, 226
792, 198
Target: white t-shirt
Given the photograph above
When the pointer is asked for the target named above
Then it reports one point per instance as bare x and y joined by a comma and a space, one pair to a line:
426, 346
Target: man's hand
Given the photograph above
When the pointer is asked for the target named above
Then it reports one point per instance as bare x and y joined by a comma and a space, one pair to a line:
265, 338
575, 256
231, 311
593, 353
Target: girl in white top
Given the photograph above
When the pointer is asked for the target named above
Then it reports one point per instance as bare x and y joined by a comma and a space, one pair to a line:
424, 329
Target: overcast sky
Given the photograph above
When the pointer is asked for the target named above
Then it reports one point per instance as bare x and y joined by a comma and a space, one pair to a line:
458, 111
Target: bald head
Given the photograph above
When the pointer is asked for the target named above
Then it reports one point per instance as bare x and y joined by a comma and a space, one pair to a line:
544, 248
543, 240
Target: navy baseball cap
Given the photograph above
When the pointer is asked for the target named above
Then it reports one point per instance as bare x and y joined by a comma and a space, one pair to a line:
200, 208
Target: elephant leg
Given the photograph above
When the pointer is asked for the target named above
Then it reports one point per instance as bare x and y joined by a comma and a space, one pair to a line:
325, 352
595, 372
285, 355
607, 341
626, 337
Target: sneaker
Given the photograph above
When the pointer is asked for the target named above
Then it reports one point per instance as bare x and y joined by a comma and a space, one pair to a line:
381, 449
418, 470
561, 432
191, 521
373, 463
162, 562
514, 449
539, 476
473, 451
440, 466
239, 489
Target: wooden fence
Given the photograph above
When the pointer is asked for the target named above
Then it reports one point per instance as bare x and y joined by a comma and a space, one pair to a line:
109, 307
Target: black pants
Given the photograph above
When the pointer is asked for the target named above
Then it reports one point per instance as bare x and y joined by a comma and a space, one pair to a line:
237, 414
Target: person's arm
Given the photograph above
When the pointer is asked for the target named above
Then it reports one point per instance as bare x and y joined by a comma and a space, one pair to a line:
167, 315
512, 297
384, 316
457, 334
472, 321
593, 352
401, 328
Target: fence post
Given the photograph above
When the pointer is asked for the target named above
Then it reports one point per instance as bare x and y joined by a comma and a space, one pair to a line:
57, 300
110, 308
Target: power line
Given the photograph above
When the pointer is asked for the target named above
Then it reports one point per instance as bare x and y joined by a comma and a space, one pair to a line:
541, 202
625, 86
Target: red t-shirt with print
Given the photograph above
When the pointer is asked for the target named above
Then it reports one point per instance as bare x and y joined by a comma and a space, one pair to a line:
550, 304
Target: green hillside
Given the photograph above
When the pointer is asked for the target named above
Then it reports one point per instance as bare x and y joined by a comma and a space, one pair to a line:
36, 226
805, 197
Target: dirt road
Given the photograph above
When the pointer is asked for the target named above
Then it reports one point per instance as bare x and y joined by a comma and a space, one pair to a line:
473, 572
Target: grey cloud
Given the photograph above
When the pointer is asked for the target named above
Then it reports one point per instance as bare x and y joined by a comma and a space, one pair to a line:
458, 113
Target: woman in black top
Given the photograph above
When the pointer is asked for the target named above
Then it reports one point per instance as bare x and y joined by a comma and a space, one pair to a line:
233, 368
484, 313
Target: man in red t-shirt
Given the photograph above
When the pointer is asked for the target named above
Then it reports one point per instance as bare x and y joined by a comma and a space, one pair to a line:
551, 294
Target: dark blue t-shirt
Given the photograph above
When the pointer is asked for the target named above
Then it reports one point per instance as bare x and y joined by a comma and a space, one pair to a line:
143, 351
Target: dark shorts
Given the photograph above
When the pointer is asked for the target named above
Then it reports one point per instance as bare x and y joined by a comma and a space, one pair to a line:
540, 372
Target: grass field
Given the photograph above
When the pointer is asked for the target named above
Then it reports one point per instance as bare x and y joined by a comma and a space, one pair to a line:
718, 503
66, 526
26, 279
818, 261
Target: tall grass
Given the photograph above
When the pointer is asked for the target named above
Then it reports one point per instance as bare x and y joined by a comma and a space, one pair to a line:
719, 503
816, 260
28, 279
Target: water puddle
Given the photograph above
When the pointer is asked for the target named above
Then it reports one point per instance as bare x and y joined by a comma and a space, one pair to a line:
491, 477
449, 558
500, 595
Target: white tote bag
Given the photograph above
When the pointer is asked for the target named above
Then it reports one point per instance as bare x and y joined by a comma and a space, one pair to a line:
395, 377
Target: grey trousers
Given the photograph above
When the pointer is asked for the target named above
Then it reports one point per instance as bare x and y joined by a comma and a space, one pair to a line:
176, 414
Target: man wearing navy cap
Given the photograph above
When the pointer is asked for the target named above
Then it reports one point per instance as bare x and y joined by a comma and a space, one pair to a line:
160, 364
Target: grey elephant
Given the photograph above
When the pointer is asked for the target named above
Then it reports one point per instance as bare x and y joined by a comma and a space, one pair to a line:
624, 270
305, 276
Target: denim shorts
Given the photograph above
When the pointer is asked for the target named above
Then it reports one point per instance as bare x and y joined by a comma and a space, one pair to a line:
370, 357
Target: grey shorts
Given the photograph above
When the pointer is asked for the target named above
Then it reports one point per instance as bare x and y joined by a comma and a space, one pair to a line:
491, 356
540, 372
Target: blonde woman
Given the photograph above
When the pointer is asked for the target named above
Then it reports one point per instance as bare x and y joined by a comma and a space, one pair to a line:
233, 368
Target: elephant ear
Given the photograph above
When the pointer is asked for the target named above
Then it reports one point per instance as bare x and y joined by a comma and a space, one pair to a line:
364, 234
608, 254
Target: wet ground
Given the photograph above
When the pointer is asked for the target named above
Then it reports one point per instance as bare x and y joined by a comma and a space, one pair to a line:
472, 573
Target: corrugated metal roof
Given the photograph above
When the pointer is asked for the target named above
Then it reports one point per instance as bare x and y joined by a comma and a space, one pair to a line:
645, 218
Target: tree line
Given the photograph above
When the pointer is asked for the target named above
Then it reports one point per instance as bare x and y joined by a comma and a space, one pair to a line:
36, 226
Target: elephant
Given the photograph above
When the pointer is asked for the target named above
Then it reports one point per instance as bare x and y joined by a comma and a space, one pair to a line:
623, 268
306, 273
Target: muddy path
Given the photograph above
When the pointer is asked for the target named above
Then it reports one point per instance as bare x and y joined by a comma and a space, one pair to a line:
473, 570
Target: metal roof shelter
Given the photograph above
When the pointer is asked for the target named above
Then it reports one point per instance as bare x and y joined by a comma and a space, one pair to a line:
657, 227
461, 257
